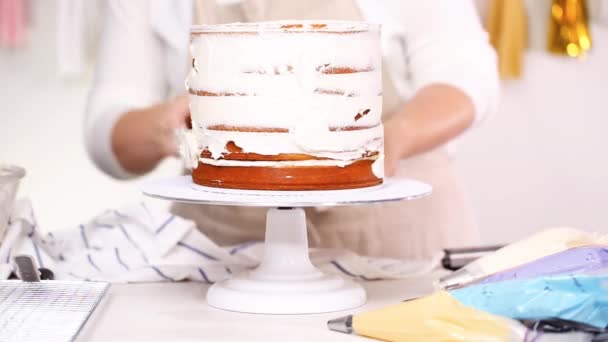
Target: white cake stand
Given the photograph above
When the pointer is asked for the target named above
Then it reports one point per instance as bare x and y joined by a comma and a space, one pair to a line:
285, 282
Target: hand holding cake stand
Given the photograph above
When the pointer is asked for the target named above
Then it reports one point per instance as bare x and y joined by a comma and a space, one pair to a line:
285, 282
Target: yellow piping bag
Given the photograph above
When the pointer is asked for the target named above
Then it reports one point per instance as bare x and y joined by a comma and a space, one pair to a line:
438, 317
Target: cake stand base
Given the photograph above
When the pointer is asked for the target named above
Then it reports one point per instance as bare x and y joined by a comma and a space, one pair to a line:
286, 282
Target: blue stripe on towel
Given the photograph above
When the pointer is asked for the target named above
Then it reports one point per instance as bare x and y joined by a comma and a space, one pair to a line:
122, 263
204, 275
242, 246
37, 251
348, 273
79, 277
34, 225
31, 233
197, 251
124, 232
161, 274
147, 210
121, 215
164, 224
135, 245
84, 237
104, 225
93, 263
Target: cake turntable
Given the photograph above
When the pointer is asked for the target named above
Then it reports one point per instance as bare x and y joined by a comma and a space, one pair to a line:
285, 282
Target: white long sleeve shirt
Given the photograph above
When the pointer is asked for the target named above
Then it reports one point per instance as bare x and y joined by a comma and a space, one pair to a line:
144, 50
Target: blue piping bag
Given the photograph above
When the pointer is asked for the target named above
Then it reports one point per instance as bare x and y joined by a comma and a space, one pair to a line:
581, 298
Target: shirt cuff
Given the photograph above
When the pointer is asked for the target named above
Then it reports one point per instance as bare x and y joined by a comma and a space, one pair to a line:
99, 142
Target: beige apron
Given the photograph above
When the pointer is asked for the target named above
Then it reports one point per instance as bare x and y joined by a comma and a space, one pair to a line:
408, 229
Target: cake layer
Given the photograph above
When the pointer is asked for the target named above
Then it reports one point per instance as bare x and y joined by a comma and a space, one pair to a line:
270, 111
305, 139
259, 84
356, 175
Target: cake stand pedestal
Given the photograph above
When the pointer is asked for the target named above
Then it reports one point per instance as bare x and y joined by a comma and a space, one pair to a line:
285, 282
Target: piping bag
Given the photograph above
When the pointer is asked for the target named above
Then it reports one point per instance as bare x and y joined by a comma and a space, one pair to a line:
576, 260
576, 307
580, 298
438, 317
539, 245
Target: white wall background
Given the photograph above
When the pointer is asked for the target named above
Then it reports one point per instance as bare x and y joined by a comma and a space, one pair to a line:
41, 129
540, 162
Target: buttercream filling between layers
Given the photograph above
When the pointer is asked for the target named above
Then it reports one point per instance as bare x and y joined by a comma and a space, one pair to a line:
285, 112
289, 85
283, 163
339, 145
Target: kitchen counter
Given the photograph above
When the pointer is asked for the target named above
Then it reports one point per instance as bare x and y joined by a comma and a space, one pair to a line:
179, 312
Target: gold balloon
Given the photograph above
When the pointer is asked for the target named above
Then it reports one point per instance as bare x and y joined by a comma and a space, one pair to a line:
569, 28
508, 29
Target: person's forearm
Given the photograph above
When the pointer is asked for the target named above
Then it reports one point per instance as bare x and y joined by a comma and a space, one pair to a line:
134, 143
143, 137
433, 116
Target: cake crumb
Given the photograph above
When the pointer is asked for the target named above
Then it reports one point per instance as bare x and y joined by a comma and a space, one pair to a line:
362, 114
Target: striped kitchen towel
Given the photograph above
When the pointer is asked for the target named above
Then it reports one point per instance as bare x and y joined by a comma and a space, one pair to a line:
140, 243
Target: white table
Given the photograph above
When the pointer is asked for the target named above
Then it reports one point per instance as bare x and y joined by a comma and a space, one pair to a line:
178, 312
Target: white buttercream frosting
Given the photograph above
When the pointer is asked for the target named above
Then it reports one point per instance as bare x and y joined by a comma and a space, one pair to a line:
188, 148
294, 26
342, 145
319, 82
378, 167
271, 163
278, 112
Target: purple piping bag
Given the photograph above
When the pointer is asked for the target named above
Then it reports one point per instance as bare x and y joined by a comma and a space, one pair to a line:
572, 261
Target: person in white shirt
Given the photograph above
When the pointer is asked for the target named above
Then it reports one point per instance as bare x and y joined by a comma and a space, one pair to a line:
440, 80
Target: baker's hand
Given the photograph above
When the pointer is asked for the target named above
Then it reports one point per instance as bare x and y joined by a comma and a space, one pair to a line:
396, 140
142, 138
170, 116
391, 159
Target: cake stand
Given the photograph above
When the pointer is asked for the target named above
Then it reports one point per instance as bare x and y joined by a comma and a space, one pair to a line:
285, 282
